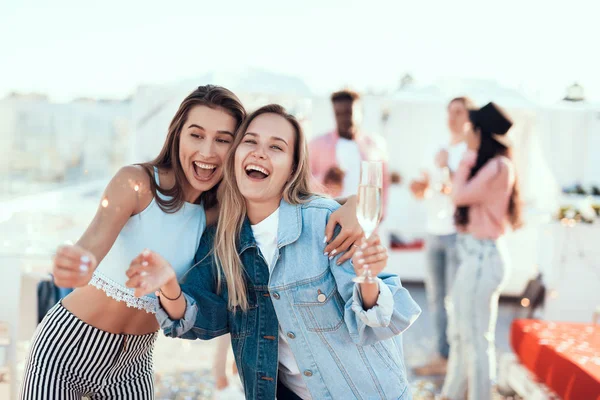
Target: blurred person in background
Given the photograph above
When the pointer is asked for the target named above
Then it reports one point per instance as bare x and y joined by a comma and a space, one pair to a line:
485, 192
396, 178
224, 390
334, 182
48, 294
346, 146
442, 257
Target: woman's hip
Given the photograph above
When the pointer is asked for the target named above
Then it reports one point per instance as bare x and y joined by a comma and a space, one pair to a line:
64, 342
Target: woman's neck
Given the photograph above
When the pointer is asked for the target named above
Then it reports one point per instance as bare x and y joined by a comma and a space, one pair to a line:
190, 195
259, 211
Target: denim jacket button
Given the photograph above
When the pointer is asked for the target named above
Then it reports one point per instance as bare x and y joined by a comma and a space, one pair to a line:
276, 296
321, 298
291, 335
307, 373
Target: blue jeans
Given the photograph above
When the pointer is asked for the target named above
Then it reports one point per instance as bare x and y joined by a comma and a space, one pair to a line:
473, 309
442, 264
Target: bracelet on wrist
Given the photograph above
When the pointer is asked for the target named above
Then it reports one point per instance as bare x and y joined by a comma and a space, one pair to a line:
171, 299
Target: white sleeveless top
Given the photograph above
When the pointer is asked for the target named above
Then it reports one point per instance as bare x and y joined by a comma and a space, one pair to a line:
174, 236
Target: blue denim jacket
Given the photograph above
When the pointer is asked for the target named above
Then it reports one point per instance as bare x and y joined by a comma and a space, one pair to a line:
342, 351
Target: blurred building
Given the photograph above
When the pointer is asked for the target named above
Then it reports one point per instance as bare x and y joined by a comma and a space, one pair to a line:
43, 143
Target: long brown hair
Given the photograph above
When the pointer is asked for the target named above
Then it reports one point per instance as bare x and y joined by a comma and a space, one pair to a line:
488, 149
232, 211
211, 96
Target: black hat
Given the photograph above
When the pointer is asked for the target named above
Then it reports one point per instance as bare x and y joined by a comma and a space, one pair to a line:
492, 120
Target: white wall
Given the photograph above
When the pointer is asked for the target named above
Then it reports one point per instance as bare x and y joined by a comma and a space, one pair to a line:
7, 121
592, 166
571, 141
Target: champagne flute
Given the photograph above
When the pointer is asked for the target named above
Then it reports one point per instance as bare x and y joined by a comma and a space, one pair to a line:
369, 206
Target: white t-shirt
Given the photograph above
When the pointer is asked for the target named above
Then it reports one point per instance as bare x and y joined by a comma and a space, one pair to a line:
348, 158
265, 234
440, 209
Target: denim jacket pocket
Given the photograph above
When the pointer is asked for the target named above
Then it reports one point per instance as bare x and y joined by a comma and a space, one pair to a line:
320, 304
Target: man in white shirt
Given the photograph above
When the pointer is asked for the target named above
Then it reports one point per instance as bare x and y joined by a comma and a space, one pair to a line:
442, 257
346, 146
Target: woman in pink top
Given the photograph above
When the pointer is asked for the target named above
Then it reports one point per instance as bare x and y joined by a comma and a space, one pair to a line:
485, 193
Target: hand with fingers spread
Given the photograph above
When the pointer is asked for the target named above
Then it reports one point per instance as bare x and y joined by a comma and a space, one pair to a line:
73, 266
350, 234
149, 272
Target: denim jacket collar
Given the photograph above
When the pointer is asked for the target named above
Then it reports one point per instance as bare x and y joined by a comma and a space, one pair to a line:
289, 230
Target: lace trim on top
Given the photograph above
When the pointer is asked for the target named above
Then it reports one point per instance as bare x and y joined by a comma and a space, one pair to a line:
115, 291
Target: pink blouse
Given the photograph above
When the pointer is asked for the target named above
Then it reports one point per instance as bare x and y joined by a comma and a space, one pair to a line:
487, 194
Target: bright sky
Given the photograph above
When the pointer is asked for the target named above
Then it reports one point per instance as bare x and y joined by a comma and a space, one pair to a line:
70, 48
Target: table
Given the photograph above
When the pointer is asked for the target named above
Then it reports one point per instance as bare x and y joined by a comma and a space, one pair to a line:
564, 356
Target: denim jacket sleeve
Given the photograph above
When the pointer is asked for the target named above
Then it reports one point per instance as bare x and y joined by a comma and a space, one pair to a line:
206, 314
381, 313
394, 312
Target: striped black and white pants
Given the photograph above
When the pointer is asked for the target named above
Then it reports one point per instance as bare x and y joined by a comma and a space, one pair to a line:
70, 359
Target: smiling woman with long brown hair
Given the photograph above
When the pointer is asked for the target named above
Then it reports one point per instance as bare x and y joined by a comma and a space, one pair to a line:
98, 341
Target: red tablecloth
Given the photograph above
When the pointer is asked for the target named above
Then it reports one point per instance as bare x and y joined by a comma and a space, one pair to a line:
565, 356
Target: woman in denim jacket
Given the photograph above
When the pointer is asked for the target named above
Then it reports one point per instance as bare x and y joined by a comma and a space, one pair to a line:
300, 327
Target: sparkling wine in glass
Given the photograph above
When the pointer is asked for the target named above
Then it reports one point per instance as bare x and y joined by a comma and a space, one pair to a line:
369, 206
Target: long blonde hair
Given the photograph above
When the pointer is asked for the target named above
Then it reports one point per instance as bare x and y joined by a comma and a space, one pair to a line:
233, 206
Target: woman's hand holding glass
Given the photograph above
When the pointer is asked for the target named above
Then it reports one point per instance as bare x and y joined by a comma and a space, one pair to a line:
371, 255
